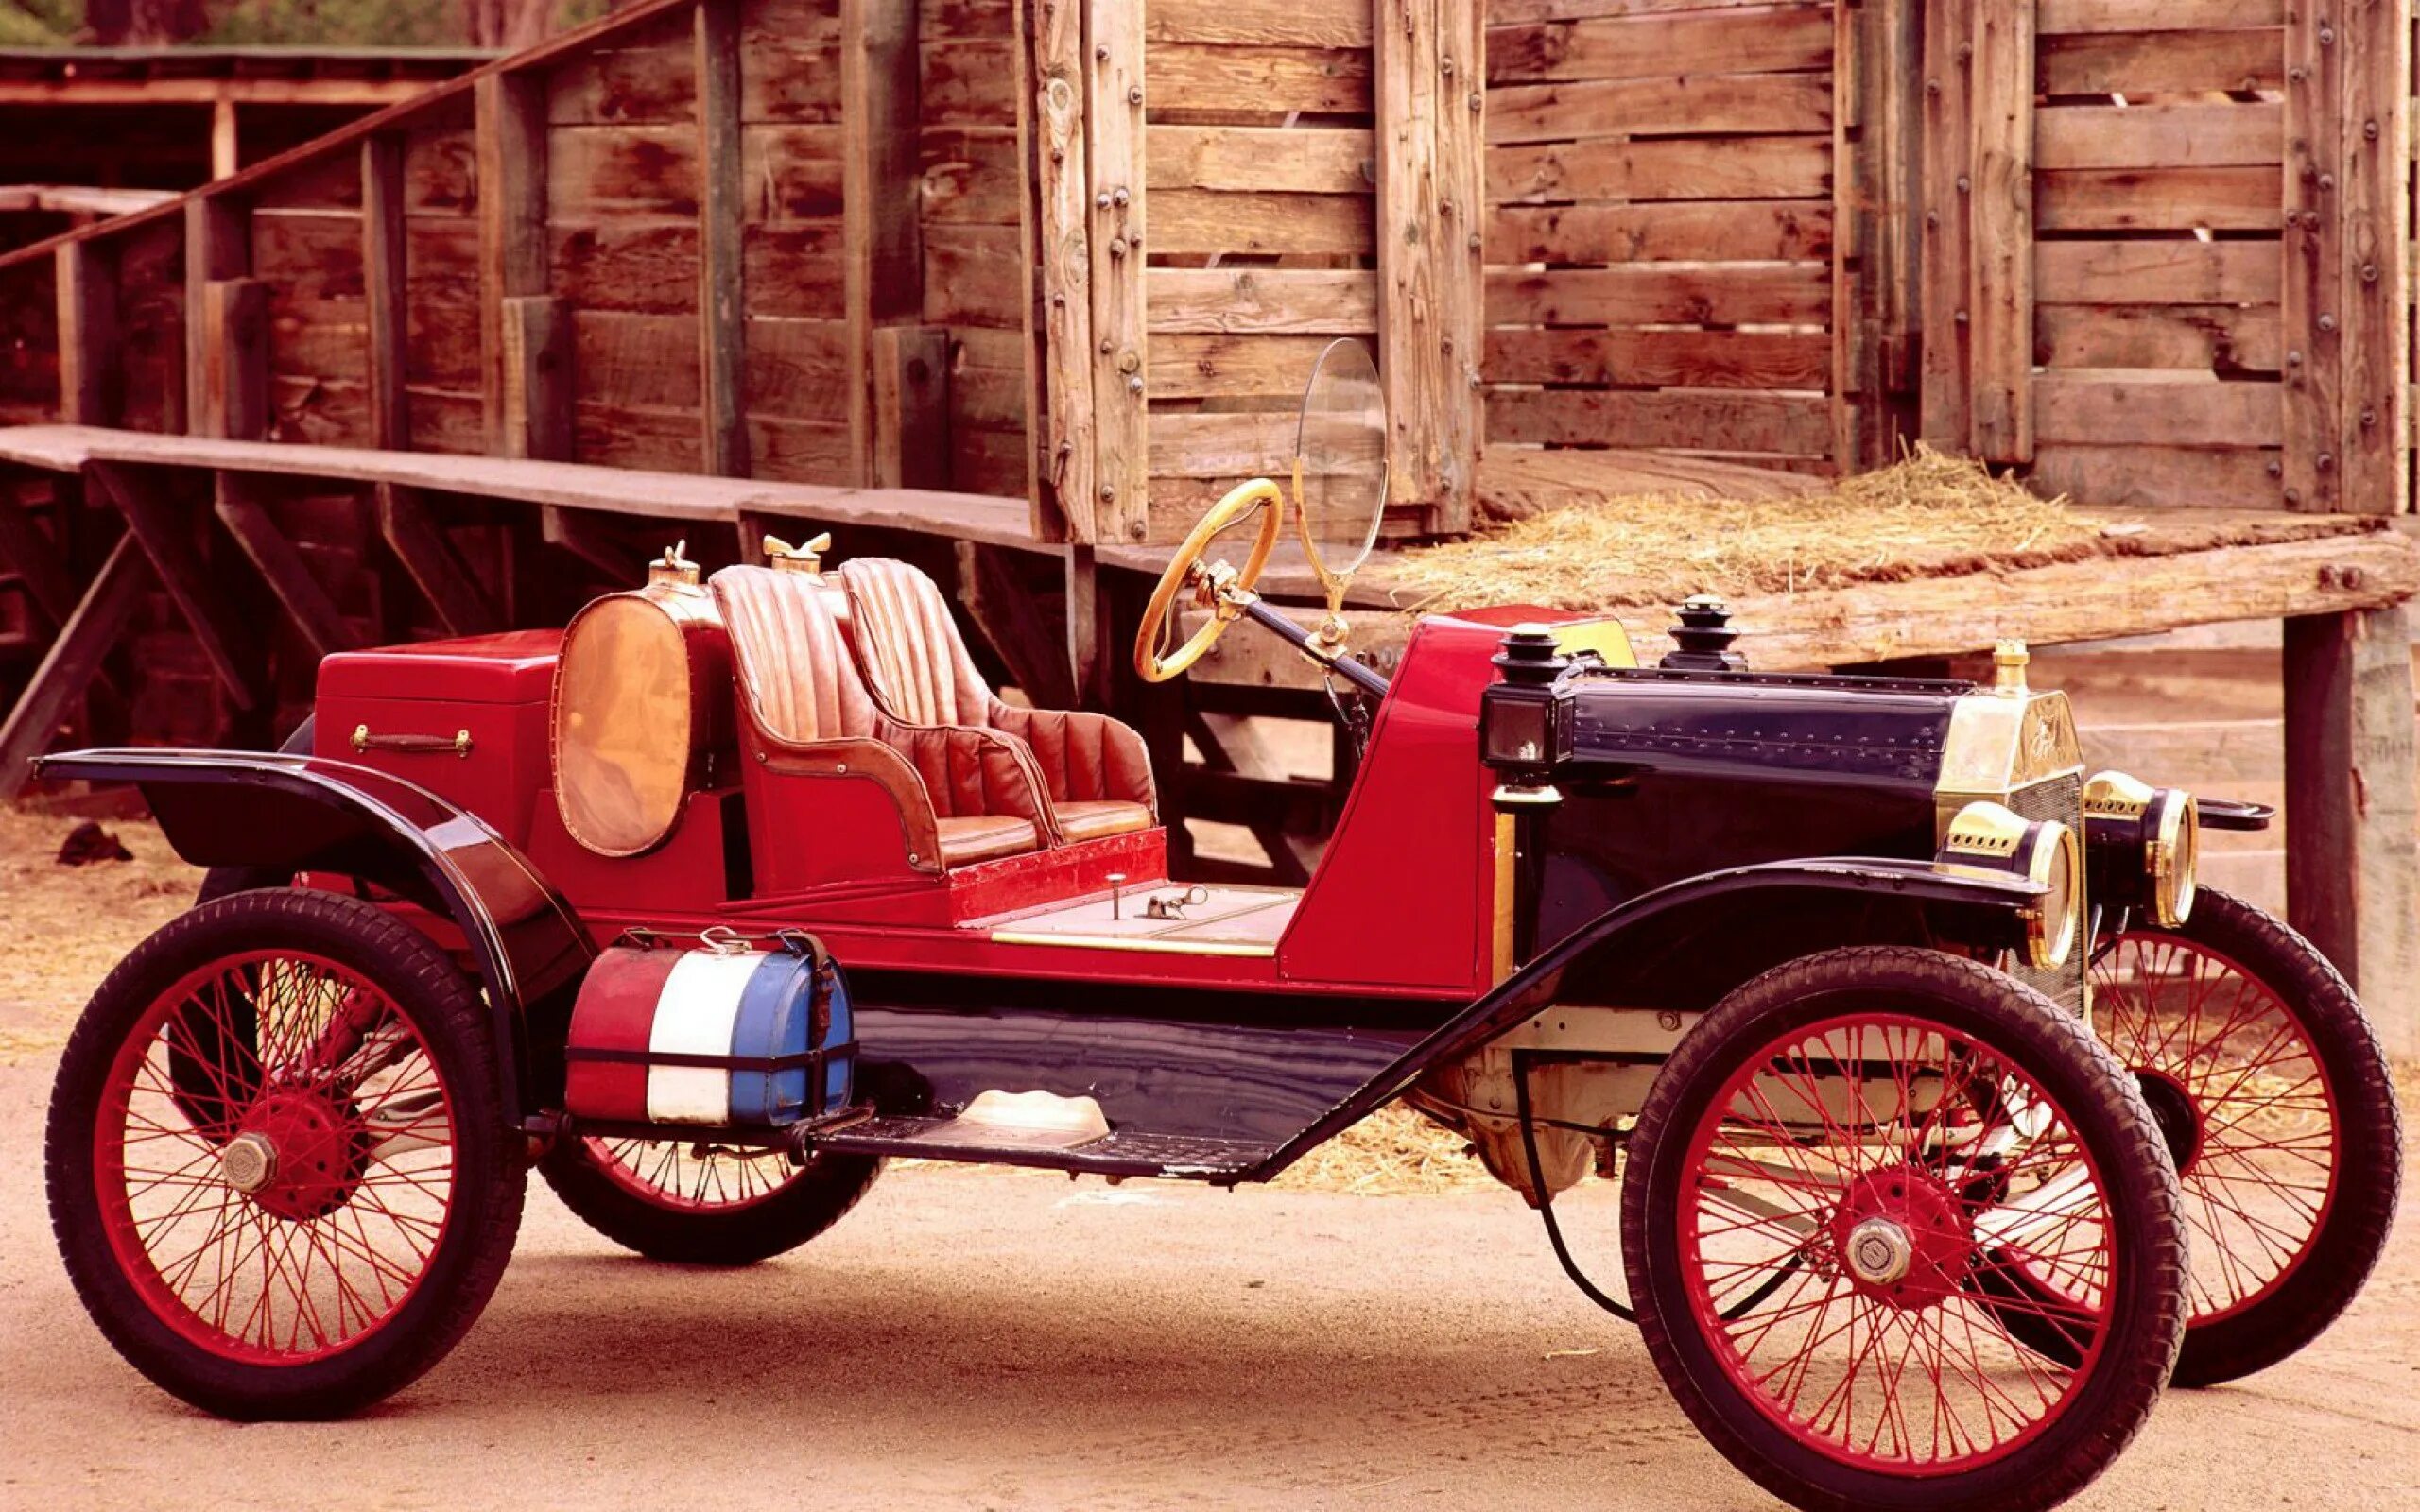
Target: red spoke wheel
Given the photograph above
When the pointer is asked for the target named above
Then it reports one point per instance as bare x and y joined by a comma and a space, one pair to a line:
278, 1172
1897, 1128
702, 1203
2279, 1108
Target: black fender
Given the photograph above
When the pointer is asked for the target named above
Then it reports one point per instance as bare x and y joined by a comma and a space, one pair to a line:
1991, 902
287, 814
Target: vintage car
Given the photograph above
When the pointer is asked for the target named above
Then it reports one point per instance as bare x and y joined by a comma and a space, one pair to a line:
709, 903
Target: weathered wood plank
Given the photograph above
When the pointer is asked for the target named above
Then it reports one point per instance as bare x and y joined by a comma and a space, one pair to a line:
1193, 221
2001, 297
1278, 80
2158, 15
2373, 303
219, 244
1404, 65
1059, 245
1676, 359
1461, 259
281, 566
2161, 62
2183, 413
1292, 159
386, 281
1948, 247
2313, 261
85, 281
1661, 169
912, 407
1116, 77
1650, 295
234, 400
1745, 103
1267, 300
1260, 23
510, 133
2124, 476
2350, 873
1763, 423
883, 251
1778, 41
722, 290
2158, 200
429, 560
2156, 272
2227, 339
2195, 135
1692, 230
536, 401
87, 635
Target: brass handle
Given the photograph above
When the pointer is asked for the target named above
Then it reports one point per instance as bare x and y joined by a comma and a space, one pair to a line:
459, 743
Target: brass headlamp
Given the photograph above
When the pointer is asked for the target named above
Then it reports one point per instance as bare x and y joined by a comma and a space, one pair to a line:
2045, 851
2145, 844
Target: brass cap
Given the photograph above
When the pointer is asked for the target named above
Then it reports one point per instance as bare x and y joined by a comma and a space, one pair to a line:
2009, 660
807, 558
674, 566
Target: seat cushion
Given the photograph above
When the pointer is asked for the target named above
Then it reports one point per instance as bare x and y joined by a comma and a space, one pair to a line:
799, 677
982, 836
1093, 821
910, 646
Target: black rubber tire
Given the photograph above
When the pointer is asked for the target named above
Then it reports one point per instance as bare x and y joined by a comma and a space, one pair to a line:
2346, 1247
221, 882
2109, 1115
815, 1198
490, 1172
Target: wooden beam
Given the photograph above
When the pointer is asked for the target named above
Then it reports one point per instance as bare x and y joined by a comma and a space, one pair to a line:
40, 565
1092, 658
1877, 151
1113, 105
2350, 812
581, 534
509, 131
234, 348
1405, 62
87, 356
384, 277
2001, 296
248, 519
536, 398
1061, 363
361, 94
219, 244
722, 296
2314, 260
420, 544
881, 214
2374, 37
1947, 254
911, 407
1004, 609
165, 535
226, 143
1462, 258
89, 633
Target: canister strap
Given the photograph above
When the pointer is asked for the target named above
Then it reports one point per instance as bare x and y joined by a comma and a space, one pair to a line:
806, 1059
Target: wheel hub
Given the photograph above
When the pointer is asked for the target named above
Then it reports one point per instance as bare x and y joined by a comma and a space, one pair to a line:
1903, 1237
300, 1153
2173, 1111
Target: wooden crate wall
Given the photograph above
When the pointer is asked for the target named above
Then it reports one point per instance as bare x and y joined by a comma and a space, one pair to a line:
1259, 162
970, 185
1660, 228
2158, 155
442, 406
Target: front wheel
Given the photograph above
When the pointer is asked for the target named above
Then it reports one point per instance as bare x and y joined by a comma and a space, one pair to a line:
328, 1219
1898, 1129
702, 1203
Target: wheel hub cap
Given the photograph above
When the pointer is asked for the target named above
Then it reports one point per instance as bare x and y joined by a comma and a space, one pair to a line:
249, 1162
1880, 1252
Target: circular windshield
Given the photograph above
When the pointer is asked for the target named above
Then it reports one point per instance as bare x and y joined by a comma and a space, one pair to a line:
1341, 460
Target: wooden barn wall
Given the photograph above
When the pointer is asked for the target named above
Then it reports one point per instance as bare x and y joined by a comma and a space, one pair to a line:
1660, 228
977, 281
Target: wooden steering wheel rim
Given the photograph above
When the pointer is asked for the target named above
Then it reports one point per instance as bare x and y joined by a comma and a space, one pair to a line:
1239, 501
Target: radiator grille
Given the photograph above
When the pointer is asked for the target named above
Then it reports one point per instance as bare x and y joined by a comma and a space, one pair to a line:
2062, 799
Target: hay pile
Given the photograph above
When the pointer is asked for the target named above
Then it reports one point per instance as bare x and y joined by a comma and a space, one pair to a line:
68, 925
1929, 515
1392, 1152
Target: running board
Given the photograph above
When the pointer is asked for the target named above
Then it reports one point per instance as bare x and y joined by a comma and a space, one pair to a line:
1116, 1153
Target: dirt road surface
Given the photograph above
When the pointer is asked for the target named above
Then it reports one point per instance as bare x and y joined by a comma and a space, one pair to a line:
1012, 1340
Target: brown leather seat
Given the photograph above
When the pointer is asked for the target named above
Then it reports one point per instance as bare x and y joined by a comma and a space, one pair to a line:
964, 794
1097, 772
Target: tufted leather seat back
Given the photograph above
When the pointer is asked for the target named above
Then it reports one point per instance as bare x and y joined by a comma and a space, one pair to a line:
792, 663
910, 645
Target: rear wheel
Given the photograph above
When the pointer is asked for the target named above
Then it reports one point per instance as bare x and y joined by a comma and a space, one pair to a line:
329, 1220
1895, 1127
702, 1203
2279, 1110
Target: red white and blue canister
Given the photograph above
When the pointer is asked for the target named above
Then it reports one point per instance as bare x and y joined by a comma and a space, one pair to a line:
722, 1037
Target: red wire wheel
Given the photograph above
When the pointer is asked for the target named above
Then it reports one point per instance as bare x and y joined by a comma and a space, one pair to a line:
2279, 1110
704, 1203
277, 1171
1895, 1131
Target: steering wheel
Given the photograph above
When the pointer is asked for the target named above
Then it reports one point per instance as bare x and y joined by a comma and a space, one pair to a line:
1186, 567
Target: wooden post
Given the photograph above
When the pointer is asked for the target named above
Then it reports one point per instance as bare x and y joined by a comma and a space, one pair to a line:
1114, 109
510, 133
2314, 259
219, 244
73, 661
165, 533
1061, 214
2350, 810
881, 214
1948, 255
384, 271
235, 344
911, 407
1878, 149
723, 298
2374, 425
226, 143
420, 544
88, 383
1462, 257
1406, 71
2001, 297
536, 399
283, 567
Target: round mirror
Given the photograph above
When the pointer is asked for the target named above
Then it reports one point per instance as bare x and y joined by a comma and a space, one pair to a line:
1340, 463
